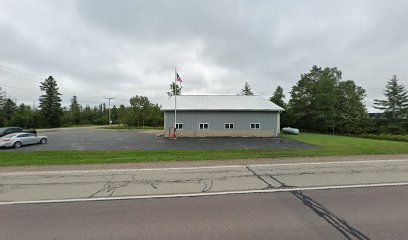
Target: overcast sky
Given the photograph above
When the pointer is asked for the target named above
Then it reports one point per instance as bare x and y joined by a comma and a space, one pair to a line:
122, 48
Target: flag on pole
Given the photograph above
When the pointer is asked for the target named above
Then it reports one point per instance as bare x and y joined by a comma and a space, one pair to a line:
178, 78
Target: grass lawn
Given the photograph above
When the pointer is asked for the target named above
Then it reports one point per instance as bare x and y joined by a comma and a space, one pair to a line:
329, 146
119, 127
392, 137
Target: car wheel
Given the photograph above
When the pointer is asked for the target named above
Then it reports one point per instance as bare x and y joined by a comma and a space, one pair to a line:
43, 141
17, 144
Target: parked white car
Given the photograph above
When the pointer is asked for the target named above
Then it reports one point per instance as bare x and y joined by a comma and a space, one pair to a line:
20, 139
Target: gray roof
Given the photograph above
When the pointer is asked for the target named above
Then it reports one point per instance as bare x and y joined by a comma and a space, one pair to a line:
220, 103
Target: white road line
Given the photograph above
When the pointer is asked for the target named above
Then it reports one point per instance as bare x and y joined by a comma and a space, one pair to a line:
205, 194
195, 168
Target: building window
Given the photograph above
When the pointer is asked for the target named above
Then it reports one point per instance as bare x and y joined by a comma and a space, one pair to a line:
203, 125
255, 125
229, 126
179, 126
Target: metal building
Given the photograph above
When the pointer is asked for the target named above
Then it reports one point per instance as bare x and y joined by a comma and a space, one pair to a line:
222, 116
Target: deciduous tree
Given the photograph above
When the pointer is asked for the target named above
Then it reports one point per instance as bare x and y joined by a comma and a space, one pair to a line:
140, 106
174, 88
352, 112
321, 101
25, 117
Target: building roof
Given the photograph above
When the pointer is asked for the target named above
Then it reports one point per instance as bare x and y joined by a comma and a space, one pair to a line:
221, 103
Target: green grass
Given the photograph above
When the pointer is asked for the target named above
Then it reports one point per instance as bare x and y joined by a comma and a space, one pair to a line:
82, 125
329, 145
390, 137
71, 126
125, 127
333, 145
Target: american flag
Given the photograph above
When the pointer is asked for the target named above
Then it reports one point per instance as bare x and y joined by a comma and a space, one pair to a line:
178, 78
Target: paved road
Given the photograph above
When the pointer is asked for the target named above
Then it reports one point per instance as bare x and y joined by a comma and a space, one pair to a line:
144, 183
363, 213
91, 138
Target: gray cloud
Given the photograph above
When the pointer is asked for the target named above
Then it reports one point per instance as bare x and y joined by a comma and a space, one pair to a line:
122, 48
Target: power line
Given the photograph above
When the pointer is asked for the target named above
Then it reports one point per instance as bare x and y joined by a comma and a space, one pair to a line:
15, 71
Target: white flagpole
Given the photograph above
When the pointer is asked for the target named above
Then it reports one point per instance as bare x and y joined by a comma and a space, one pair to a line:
175, 98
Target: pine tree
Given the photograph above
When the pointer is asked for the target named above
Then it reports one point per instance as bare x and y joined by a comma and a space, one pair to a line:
75, 110
50, 103
246, 90
87, 115
122, 114
2, 99
396, 104
8, 110
278, 97
114, 114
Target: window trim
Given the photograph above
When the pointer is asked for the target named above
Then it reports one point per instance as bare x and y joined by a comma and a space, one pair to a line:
229, 126
199, 126
255, 128
178, 126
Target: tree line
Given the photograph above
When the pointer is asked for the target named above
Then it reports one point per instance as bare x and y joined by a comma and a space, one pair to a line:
322, 101
50, 114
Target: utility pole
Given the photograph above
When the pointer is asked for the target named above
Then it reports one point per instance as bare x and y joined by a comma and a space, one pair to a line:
109, 98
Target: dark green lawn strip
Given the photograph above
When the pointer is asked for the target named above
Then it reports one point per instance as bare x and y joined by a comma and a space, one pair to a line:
329, 146
385, 137
124, 127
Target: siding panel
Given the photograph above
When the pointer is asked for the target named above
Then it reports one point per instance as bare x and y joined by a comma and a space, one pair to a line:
216, 120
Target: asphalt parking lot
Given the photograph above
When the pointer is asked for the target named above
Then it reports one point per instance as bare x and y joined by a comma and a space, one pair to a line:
91, 138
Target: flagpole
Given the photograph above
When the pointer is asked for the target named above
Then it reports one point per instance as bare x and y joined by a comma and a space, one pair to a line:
175, 100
